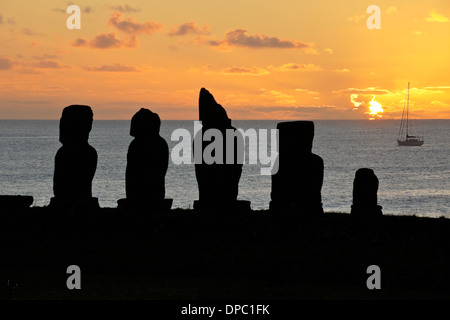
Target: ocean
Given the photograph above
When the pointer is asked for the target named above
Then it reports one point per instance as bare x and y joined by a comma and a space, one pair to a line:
413, 180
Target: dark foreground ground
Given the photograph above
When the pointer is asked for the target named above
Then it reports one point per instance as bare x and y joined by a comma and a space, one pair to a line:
258, 256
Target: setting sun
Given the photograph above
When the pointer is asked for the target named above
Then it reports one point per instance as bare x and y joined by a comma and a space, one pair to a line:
375, 108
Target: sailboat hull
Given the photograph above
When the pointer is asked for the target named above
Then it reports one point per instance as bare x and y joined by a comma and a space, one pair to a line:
411, 143
409, 140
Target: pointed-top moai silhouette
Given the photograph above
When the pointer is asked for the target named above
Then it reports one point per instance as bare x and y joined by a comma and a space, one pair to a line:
297, 185
218, 177
75, 161
147, 162
365, 188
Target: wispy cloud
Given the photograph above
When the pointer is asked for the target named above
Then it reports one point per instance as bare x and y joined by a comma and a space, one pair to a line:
6, 63
83, 9
306, 112
107, 41
45, 57
29, 67
126, 9
369, 91
112, 68
391, 10
131, 26
252, 71
357, 18
47, 64
298, 109
343, 70
188, 28
306, 91
438, 87
258, 71
28, 32
8, 21
296, 67
240, 38
436, 17
278, 97
439, 103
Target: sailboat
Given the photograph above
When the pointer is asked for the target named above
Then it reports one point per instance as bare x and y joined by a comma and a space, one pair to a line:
404, 138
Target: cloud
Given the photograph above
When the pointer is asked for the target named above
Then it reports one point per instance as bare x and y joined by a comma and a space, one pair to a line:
84, 10
426, 90
189, 28
201, 69
279, 97
344, 70
126, 9
296, 67
107, 41
306, 91
369, 91
6, 63
80, 42
439, 103
45, 57
438, 87
436, 17
258, 71
297, 109
357, 18
391, 10
29, 67
29, 71
239, 38
328, 50
367, 105
28, 32
417, 32
8, 21
113, 68
47, 64
131, 26
253, 71
311, 112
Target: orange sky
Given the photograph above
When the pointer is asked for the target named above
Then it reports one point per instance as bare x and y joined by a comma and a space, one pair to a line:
261, 59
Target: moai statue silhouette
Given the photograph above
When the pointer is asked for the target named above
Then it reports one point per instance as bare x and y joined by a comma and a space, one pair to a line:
75, 161
296, 187
147, 163
365, 188
218, 177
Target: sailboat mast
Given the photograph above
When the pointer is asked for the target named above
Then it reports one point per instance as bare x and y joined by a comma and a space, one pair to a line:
407, 113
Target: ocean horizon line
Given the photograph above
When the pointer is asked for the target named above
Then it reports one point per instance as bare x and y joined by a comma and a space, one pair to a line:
295, 119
